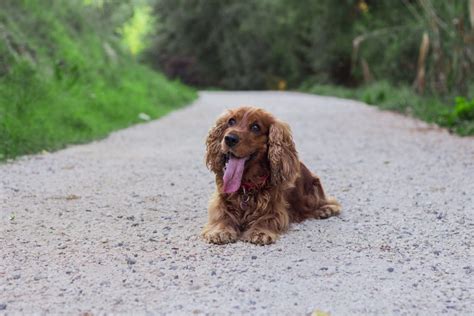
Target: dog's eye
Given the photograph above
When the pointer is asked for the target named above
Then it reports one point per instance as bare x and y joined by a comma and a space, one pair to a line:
255, 128
231, 122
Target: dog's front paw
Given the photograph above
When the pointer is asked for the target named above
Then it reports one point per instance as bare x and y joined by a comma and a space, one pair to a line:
260, 237
219, 235
331, 208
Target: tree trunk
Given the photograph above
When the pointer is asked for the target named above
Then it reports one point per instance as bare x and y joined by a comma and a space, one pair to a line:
420, 80
471, 13
368, 78
439, 83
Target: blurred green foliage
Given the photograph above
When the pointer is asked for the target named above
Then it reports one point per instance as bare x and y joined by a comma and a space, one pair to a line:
461, 118
134, 32
66, 78
251, 44
248, 44
278, 44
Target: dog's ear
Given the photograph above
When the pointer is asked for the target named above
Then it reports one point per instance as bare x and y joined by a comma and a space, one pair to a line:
214, 159
282, 155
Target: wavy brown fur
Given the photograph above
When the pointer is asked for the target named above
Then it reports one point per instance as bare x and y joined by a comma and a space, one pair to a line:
291, 194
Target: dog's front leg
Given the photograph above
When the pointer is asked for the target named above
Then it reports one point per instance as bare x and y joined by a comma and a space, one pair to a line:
221, 228
267, 228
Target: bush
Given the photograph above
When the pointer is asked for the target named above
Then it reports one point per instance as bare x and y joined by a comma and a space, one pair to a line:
65, 79
461, 118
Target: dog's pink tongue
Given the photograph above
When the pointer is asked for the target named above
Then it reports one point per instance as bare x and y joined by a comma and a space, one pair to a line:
233, 174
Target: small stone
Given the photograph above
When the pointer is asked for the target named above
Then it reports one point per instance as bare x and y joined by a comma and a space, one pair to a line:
131, 261
390, 269
3, 306
254, 257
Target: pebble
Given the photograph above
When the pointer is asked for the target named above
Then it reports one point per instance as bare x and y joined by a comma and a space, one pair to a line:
131, 261
3, 307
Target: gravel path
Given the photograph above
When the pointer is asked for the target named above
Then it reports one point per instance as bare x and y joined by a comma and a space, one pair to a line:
113, 226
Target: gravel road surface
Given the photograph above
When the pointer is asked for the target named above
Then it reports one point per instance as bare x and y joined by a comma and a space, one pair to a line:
113, 226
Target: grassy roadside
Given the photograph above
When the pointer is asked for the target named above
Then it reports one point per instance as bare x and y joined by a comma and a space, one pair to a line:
65, 79
457, 115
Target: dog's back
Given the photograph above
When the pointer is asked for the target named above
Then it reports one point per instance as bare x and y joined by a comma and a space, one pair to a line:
308, 200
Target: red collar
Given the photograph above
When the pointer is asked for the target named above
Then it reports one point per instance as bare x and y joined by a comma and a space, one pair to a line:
254, 185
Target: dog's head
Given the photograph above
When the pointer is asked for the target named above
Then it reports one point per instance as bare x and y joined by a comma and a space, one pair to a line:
246, 137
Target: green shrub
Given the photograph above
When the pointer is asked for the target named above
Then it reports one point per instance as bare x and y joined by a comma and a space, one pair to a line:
464, 109
460, 118
66, 79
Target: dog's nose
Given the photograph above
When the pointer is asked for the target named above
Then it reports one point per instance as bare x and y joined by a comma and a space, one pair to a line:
231, 140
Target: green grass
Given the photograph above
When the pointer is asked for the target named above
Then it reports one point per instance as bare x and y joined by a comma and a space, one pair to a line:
456, 115
65, 79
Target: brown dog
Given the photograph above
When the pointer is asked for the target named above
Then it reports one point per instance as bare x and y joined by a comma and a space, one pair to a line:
261, 185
